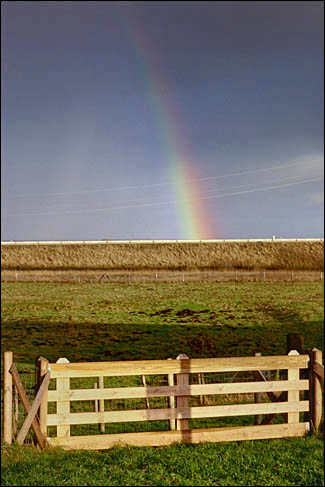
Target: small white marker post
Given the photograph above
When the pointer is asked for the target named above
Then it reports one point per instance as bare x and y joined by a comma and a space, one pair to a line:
258, 398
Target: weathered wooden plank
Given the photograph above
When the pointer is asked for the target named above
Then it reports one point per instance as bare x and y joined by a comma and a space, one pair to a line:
7, 397
63, 406
177, 413
293, 396
24, 399
182, 401
33, 410
161, 438
153, 367
190, 390
15, 411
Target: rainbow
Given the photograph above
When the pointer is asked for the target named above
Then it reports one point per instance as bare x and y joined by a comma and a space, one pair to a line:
194, 220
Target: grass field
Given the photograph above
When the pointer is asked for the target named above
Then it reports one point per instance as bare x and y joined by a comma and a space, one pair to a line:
88, 322
149, 321
292, 461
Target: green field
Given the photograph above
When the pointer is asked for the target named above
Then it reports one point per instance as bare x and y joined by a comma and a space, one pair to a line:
150, 321
94, 322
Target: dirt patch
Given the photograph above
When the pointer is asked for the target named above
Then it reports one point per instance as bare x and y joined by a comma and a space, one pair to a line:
163, 312
185, 312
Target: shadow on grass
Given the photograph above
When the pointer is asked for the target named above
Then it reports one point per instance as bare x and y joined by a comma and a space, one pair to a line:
138, 341
286, 322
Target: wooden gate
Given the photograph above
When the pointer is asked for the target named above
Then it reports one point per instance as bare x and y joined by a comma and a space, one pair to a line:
283, 395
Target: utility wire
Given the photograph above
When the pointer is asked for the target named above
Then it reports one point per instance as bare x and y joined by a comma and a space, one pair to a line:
143, 205
279, 179
123, 188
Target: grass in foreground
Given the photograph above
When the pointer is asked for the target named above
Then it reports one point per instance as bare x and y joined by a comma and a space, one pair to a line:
97, 322
292, 461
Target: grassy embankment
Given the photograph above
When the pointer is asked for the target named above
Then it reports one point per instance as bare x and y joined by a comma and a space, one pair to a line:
123, 322
175, 256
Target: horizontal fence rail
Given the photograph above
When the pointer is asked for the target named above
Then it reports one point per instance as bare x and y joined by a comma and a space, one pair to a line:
100, 442
166, 391
179, 413
156, 367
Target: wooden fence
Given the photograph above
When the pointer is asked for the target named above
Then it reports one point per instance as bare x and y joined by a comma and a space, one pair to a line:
159, 276
283, 395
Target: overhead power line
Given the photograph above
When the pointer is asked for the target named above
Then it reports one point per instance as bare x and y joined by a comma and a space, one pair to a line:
85, 204
124, 188
163, 203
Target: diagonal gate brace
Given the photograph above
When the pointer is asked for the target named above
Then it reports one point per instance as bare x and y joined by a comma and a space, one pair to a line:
31, 411
318, 369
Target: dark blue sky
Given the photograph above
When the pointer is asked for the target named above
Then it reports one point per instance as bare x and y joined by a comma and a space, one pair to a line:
167, 120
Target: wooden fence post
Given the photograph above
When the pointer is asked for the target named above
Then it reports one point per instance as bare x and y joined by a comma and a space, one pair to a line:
182, 401
63, 407
317, 391
295, 342
43, 368
101, 403
171, 400
96, 400
293, 396
258, 398
7, 397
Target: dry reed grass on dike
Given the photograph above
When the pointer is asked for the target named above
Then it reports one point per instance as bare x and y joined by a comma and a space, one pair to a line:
173, 256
